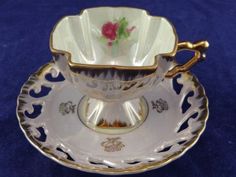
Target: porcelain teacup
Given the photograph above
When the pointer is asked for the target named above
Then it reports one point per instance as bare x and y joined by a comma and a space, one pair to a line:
114, 55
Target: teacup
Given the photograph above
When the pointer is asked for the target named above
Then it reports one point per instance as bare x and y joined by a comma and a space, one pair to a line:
115, 55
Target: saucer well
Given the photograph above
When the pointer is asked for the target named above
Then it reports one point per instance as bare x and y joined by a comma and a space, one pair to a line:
48, 114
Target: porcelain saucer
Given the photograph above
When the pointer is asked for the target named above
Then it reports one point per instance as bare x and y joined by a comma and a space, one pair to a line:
47, 110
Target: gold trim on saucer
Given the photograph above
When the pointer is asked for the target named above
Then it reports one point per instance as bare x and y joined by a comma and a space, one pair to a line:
112, 171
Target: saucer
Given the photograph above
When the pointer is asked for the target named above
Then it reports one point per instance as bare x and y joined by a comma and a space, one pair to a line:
48, 114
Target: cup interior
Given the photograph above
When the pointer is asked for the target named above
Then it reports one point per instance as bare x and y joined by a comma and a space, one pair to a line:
114, 36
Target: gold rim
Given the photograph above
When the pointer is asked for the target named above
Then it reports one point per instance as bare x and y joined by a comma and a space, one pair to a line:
56, 52
136, 169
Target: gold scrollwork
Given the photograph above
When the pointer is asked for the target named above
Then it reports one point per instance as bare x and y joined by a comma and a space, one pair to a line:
112, 144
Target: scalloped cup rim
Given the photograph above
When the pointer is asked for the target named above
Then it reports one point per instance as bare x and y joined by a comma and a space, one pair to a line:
72, 64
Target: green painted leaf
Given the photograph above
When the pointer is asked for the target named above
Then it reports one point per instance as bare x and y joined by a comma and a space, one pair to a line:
123, 24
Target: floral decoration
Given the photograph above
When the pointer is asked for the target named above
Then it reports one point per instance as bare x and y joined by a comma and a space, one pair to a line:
114, 32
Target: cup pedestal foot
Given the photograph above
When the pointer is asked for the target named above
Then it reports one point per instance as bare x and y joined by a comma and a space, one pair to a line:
112, 117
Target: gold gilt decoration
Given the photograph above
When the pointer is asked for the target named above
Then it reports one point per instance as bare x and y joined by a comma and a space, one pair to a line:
159, 105
112, 144
198, 48
21, 103
66, 108
116, 124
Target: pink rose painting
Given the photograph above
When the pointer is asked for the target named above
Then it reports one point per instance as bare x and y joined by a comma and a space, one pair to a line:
113, 32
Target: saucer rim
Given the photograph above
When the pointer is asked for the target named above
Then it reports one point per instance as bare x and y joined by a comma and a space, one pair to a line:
102, 170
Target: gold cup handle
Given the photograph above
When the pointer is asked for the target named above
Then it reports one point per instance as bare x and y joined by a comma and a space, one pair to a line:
198, 48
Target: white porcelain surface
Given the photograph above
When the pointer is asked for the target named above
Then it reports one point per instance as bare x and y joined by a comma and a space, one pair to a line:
82, 36
155, 143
